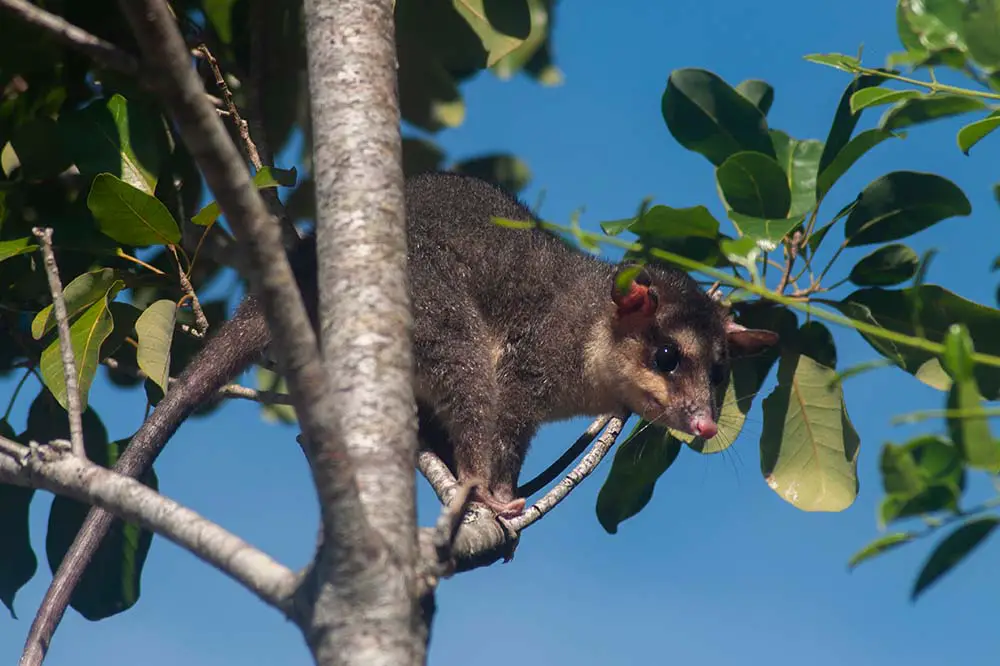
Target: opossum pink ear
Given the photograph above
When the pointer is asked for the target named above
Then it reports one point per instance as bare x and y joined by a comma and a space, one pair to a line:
745, 341
632, 292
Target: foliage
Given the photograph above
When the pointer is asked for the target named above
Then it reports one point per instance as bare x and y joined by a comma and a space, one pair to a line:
773, 188
86, 150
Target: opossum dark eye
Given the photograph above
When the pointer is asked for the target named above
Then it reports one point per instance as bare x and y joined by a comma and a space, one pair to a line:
666, 358
718, 374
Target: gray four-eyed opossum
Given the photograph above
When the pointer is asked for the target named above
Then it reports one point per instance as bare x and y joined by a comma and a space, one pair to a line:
511, 329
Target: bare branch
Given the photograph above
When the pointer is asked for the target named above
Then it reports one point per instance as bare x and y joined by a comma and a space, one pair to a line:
227, 391
587, 465
565, 460
47, 466
234, 113
200, 320
65, 341
103, 52
438, 475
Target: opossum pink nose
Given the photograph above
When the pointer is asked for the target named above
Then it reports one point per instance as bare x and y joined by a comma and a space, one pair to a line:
704, 428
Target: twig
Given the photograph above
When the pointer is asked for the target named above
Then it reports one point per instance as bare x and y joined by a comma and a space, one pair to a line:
228, 391
200, 320
572, 480
65, 341
792, 246
565, 460
234, 113
47, 466
105, 53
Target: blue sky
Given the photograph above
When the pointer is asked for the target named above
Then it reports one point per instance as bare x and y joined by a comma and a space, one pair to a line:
717, 569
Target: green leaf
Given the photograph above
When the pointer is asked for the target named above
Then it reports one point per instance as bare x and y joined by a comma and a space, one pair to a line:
920, 477
39, 149
902, 203
760, 93
691, 232
936, 24
155, 330
981, 27
970, 433
848, 155
877, 96
263, 179
743, 252
930, 500
705, 115
929, 108
508, 171
219, 15
420, 156
808, 447
17, 559
815, 341
839, 61
958, 351
800, 161
844, 120
111, 582
17, 246
886, 266
85, 290
952, 550
755, 185
879, 546
975, 132
271, 381
934, 310
639, 462
766, 233
129, 215
115, 136
816, 239
502, 26
269, 176
87, 334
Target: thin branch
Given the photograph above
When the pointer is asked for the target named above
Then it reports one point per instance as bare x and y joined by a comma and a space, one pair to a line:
234, 113
49, 467
105, 53
73, 406
228, 391
200, 320
792, 247
587, 465
438, 475
565, 460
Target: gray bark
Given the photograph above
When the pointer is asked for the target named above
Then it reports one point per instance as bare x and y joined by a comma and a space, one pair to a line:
367, 609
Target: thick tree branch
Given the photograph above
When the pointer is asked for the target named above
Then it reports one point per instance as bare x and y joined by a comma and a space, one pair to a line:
366, 612
51, 467
102, 52
73, 408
